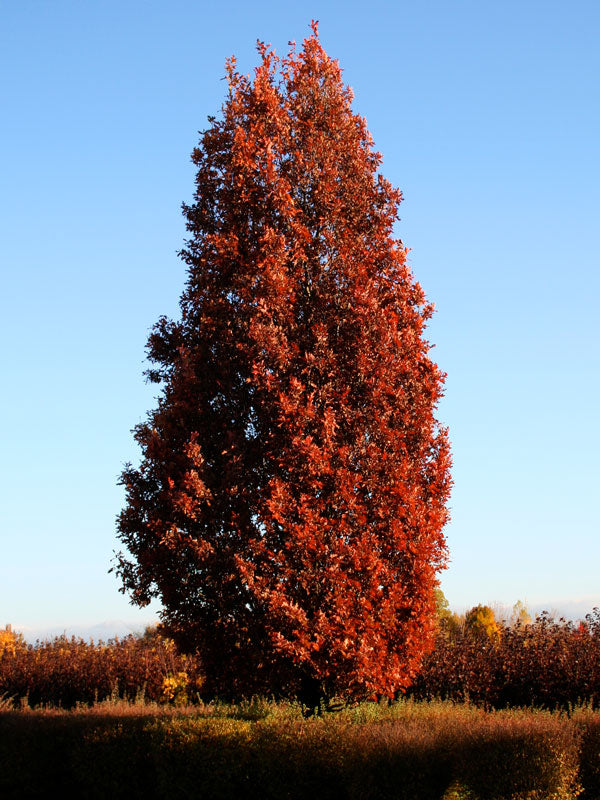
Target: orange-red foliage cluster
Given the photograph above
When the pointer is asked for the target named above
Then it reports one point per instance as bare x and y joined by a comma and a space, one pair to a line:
289, 506
547, 663
69, 671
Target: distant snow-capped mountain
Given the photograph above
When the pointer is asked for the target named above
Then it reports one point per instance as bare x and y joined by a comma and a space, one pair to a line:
110, 629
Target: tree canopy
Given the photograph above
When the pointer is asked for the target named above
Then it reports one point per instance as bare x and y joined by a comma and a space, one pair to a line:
289, 507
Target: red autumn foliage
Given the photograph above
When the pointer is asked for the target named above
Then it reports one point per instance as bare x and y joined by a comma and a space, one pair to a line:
66, 671
289, 506
546, 663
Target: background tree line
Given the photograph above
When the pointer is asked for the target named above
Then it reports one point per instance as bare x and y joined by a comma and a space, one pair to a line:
493, 663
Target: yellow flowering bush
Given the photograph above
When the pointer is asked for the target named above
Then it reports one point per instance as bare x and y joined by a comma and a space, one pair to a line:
10, 641
175, 689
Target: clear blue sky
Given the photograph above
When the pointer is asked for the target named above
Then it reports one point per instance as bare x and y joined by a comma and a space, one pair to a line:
487, 115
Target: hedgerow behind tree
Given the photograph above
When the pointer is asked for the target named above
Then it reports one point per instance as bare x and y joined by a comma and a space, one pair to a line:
289, 507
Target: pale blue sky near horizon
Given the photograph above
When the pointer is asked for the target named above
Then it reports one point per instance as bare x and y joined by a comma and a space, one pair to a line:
488, 119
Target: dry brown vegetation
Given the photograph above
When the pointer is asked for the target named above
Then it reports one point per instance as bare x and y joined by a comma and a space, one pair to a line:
66, 672
261, 749
546, 663
126, 718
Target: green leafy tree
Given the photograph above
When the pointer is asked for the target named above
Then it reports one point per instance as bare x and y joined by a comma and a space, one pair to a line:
449, 622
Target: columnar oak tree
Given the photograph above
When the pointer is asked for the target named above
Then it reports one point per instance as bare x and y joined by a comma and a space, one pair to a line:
289, 506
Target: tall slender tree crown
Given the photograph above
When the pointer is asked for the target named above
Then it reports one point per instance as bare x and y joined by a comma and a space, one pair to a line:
289, 508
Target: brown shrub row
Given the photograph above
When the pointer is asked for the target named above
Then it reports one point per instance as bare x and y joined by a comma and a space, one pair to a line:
64, 672
548, 664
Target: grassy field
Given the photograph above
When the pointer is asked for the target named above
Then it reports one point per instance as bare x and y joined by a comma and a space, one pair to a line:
257, 749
